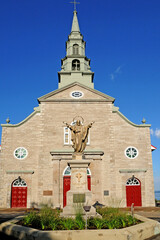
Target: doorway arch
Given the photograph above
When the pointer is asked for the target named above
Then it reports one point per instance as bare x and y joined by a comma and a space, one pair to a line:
67, 182
19, 193
133, 192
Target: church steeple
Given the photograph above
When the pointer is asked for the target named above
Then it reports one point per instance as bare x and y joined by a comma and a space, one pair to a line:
75, 67
75, 25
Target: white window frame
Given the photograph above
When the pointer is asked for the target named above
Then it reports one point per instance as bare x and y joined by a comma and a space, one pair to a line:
131, 157
14, 153
66, 133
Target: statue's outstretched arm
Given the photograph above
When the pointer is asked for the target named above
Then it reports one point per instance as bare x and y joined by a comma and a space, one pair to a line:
68, 125
90, 125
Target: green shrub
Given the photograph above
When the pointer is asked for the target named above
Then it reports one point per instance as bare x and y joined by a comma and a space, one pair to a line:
68, 224
32, 219
79, 221
98, 223
109, 224
109, 212
131, 220
49, 219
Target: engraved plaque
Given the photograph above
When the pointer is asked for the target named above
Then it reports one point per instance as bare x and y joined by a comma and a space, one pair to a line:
106, 193
78, 198
47, 193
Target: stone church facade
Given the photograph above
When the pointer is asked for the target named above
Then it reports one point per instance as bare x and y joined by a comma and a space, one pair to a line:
34, 152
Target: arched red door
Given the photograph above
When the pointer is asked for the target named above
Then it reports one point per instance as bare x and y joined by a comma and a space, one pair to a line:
19, 194
67, 183
133, 192
66, 188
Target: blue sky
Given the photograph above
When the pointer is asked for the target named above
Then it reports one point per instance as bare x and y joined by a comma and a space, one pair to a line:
122, 40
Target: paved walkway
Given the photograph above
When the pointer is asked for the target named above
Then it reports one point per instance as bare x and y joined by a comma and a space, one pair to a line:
153, 213
7, 214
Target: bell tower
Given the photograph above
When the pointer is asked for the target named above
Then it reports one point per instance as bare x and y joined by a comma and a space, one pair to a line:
75, 66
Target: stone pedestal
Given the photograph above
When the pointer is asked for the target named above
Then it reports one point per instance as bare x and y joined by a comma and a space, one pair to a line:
79, 195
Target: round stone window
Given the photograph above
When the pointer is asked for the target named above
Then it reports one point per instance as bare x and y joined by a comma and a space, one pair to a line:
131, 152
77, 94
20, 153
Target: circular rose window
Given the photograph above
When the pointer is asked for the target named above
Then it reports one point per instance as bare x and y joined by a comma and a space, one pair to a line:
131, 152
20, 153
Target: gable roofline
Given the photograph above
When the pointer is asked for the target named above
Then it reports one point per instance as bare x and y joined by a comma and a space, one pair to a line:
36, 110
44, 97
116, 110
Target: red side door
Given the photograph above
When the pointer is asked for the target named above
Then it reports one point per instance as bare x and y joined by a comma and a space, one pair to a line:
133, 195
66, 188
19, 197
89, 182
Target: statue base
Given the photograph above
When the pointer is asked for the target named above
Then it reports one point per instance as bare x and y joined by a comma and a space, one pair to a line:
79, 195
77, 156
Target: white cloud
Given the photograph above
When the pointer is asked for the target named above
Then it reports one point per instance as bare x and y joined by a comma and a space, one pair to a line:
116, 72
151, 131
157, 133
112, 76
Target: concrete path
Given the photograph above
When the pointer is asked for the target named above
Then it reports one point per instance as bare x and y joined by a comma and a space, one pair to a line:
7, 214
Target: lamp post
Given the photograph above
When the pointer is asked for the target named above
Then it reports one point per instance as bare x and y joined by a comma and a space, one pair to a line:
86, 209
132, 209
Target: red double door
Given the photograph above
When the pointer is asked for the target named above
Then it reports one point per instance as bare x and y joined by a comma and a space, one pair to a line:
19, 197
67, 184
133, 195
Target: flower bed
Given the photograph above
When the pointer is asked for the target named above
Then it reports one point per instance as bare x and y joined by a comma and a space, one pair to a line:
49, 219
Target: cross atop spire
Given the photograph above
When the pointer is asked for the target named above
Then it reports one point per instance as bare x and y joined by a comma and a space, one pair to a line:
75, 4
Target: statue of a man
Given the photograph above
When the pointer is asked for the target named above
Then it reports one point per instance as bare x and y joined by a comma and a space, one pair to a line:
79, 135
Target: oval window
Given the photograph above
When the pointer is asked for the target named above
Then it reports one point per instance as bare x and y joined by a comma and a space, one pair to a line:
77, 94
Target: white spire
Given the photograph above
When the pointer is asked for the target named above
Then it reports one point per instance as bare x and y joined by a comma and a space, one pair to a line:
75, 66
75, 25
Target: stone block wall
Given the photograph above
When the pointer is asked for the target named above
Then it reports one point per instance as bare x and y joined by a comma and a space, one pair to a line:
44, 132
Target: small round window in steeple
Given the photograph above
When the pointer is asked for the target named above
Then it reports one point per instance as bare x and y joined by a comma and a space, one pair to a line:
77, 94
